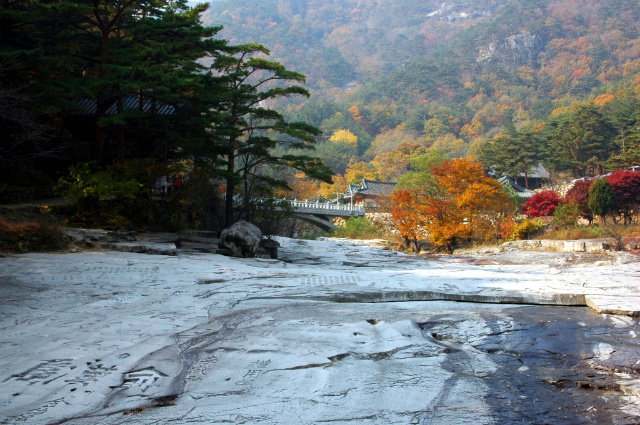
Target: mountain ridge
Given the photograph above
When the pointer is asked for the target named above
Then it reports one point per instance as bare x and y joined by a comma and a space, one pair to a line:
449, 75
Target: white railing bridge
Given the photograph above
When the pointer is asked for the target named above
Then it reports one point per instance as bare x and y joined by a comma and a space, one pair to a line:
322, 214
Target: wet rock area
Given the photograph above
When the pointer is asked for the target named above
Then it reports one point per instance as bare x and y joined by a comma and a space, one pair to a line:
330, 332
543, 370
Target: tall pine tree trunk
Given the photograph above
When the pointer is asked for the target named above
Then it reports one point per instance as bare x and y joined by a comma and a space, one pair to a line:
122, 146
101, 134
231, 182
102, 103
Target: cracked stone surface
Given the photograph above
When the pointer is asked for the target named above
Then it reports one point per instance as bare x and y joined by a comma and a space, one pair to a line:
329, 333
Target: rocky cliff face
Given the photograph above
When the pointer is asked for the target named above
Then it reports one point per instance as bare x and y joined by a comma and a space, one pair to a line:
458, 12
516, 50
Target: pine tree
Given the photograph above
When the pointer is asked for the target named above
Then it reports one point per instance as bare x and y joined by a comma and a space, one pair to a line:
581, 141
514, 154
247, 133
26, 110
130, 68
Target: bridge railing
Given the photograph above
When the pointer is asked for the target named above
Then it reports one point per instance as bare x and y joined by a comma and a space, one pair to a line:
317, 207
326, 206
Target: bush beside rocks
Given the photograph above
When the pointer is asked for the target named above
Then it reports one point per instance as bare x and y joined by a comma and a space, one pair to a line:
31, 236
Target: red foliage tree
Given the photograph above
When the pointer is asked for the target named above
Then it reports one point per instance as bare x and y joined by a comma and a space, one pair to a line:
579, 195
626, 185
541, 204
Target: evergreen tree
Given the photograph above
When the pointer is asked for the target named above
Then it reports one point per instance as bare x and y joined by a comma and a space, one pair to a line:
514, 154
130, 68
581, 141
625, 113
26, 110
602, 200
246, 132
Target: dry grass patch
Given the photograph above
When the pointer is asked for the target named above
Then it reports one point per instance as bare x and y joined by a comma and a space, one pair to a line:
31, 236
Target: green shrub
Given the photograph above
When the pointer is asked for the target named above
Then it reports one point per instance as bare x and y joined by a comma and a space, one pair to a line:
102, 196
602, 199
527, 229
567, 214
357, 228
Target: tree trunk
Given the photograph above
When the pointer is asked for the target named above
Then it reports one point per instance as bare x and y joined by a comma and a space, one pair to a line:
416, 246
231, 182
102, 103
228, 206
101, 135
121, 139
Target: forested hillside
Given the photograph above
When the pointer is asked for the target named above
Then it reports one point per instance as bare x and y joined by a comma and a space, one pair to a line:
340, 43
393, 83
393, 79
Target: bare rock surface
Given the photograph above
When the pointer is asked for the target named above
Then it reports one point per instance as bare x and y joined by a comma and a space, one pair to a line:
329, 333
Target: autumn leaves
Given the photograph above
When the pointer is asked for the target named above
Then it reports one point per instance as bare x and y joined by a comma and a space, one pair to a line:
461, 203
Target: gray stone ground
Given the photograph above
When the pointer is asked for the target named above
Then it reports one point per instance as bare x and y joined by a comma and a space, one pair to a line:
328, 333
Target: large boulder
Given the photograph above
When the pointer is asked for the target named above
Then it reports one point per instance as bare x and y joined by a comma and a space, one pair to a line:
241, 238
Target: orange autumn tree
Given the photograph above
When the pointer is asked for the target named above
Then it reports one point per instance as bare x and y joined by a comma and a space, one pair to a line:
405, 213
302, 187
469, 204
457, 202
339, 186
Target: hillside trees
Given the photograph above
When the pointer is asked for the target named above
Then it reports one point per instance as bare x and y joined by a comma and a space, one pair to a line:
390, 140
420, 178
581, 141
514, 154
512, 67
392, 165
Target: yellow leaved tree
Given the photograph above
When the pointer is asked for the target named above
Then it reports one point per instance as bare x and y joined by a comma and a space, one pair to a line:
344, 136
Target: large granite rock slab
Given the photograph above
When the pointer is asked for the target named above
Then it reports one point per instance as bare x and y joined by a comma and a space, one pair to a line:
316, 337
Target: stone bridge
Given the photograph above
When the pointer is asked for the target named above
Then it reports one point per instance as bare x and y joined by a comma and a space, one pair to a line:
322, 214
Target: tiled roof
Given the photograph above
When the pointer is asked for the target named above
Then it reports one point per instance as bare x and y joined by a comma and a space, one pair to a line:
89, 106
521, 191
537, 172
374, 188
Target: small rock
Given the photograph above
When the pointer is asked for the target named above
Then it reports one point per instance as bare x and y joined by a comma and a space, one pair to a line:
162, 249
271, 247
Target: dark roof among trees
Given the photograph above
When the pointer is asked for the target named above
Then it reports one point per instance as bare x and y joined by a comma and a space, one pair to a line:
521, 191
374, 188
89, 107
